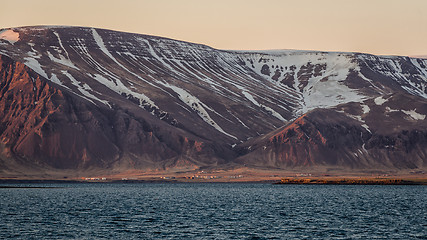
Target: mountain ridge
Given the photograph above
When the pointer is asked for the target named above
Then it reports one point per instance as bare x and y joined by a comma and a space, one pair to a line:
262, 51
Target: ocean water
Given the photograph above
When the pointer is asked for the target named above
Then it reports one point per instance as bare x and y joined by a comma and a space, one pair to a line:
212, 211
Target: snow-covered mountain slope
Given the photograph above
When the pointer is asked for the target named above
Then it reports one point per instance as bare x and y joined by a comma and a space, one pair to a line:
223, 97
234, 94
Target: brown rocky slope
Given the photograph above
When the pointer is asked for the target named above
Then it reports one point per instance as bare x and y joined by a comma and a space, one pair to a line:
44, 126
372, 135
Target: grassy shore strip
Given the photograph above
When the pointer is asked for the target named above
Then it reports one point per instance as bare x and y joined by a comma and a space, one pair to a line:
343, 181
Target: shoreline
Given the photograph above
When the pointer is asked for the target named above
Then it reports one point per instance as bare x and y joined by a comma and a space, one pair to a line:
353, 181
236, 175
281, 181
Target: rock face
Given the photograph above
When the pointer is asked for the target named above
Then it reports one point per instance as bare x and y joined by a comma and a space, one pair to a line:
82, 98
44, 125
367, 135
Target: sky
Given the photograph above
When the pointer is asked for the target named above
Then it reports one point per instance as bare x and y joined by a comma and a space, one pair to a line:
383, 27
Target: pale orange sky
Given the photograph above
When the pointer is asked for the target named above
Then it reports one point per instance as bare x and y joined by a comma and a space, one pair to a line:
391, 27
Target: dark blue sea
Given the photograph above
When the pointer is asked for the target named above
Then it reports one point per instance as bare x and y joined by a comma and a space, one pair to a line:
212, 211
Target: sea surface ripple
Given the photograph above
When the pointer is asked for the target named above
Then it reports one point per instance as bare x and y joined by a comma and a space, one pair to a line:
212, 211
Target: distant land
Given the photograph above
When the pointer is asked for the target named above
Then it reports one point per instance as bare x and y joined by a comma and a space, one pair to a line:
83, 103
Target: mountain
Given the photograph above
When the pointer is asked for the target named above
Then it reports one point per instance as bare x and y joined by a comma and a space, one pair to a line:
85, 99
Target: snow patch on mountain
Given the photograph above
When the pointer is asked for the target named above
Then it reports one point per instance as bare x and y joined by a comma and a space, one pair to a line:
268, 109
197, 106
414, 115
375, 87
60, 44
120, 88
328, 94
238, 119
146, 101
104, 49
365, 109
416, 63
32, 63
380, 100
318, 76
414, 90
84, 89
81, 48
160, 59
9, 35
33, 53
62, 60
390, 110
358, 117
414, 82
53, 78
